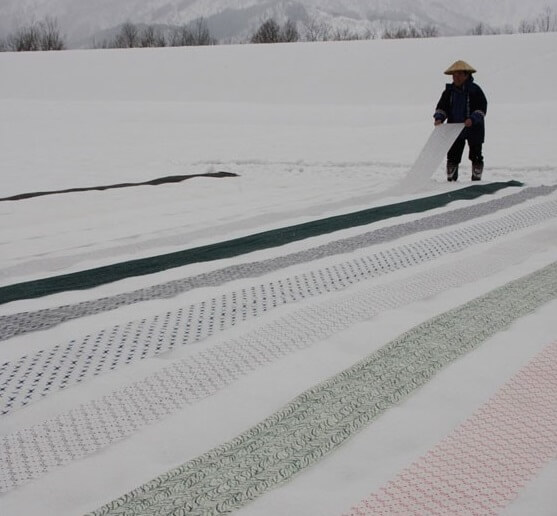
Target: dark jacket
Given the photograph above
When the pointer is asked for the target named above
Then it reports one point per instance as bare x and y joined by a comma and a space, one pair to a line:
458, 104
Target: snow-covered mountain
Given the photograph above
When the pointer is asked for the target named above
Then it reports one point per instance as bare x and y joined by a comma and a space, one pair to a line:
235, 20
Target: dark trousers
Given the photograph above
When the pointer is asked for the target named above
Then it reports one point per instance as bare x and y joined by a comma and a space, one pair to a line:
455, 152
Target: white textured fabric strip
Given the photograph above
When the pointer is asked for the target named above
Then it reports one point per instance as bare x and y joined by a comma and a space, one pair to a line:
430, 157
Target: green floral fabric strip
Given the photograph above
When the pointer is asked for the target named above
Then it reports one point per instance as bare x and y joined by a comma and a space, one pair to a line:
322, 418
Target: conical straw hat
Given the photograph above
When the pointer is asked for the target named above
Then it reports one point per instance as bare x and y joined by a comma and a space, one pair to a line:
459, 66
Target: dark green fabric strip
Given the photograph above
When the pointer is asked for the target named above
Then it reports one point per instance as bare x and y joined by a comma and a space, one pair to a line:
101, 275
151, 182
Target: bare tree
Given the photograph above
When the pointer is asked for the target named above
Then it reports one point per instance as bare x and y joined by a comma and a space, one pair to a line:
396, 33
403, 32
547, 21
181, 37
526, 27
201, 34
369, 34
429, 31
25, 39
127, 37
147, 37
42, 35
316, 31
150, 36
289, 32
99, 44
271, 32
49, 35
344, 34
196, 33
268, 32
481, 29
507, 29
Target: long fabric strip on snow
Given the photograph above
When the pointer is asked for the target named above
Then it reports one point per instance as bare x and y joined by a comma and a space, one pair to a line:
316, 422
31, 452
24, 322
274, 238
152, 182
483, 464
32, 377
435, 149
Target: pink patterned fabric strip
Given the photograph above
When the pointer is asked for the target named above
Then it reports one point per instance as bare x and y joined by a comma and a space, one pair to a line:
484, 463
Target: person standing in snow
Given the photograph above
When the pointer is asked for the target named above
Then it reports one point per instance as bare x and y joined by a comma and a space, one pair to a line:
463, 101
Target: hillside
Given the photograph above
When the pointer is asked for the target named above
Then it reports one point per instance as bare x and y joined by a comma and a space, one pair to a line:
84, 20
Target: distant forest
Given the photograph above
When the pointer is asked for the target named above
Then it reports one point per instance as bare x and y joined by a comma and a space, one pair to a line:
46, 34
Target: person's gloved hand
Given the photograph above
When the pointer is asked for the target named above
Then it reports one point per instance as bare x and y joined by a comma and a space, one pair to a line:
439, 117
476, 118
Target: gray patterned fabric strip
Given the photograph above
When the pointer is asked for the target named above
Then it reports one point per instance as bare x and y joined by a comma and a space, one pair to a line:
33, 451
24, 322
316, 422
33, 377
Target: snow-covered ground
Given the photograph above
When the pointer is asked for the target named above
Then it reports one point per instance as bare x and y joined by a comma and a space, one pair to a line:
103, 396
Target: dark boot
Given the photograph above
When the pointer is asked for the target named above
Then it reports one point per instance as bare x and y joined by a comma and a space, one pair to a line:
477, 169
452, 171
